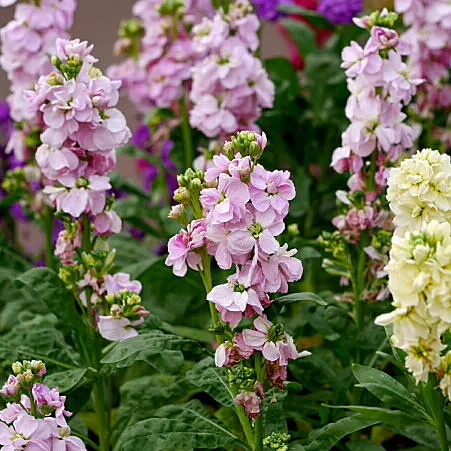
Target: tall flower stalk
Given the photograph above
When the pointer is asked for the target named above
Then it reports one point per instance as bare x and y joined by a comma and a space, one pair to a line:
381, 86
233, 212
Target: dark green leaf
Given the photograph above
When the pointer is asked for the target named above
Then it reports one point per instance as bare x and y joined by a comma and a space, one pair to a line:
329, 435
315, 18
210, 378
180, 427
387, 389
365, 445
65, 380
122, 184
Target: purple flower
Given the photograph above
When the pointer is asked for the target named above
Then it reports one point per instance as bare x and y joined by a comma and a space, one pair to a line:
268, 9
340, 11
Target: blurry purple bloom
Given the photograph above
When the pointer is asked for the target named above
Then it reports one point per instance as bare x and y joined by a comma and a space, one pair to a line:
17, 212
141, 136
340, 11
268, 9
165, 156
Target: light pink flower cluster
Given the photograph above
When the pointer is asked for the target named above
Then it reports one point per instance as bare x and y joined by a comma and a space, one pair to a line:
429, 38
160, 49
381, 84
82, 128
230, 85
239, 209
36, 416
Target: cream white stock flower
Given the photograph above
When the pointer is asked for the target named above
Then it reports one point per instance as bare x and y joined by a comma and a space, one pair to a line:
419, 190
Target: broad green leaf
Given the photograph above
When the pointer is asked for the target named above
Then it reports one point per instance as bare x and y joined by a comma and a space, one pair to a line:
308, 252
387, 416
136, 270
128, 250
160, 350
65, 380
387, 389
45, 285
210, 379
295, 297
421, 433
302, 35
141, 397
296, 447
274, 417
325, 438
180, 427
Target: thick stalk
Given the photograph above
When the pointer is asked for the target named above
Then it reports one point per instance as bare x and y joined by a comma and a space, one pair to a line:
47, 220
258, 421
100, 406
435, 406
186, 134
206, 278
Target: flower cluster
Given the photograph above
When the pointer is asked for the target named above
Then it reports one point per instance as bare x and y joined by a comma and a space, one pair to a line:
82, 128
419, 190
269, 9
159, 49
340, 11
26, 43
381, 85
421, 253
239, 209
429, 37
230, 85
35, 416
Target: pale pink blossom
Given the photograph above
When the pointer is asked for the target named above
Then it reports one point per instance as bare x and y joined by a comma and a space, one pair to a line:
121, 281
107, 223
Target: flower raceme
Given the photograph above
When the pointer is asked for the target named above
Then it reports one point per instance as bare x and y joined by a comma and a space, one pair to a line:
35, 415
421, 252
238, 209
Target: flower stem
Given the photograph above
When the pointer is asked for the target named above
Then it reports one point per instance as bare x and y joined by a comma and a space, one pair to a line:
86, 234
186, 134
258, 421
100, 409
47, 220
207, 280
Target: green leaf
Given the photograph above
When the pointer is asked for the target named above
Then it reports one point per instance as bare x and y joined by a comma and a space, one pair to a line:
180, 427
302, 35
295, 297
325, 438
45, 285
387, 389
128, 250
160, 350
387, 416
210, 379
308, 252
65, 380
274, 418
136, 270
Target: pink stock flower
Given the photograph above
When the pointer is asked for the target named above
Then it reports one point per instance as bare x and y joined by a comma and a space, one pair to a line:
50, 402
236, 295
227, 202
231, 352
11, 412
343, 160
382, 39
11, 387
271, 190
272, 341
182, 247
66, 245
280, 268
251, 403
66, 442
56, 162
121, 281
78, 196
26, 432
277, 374
107, 223
117, 329
357, 60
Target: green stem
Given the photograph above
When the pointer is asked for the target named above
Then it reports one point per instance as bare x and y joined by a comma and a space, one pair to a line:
186, 134
207, 280
86, 234
99, 407
258, 421
435, 406
47, 219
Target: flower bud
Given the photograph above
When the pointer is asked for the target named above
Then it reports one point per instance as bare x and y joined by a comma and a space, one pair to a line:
55, 79
178, 213
17, 367
181, 195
